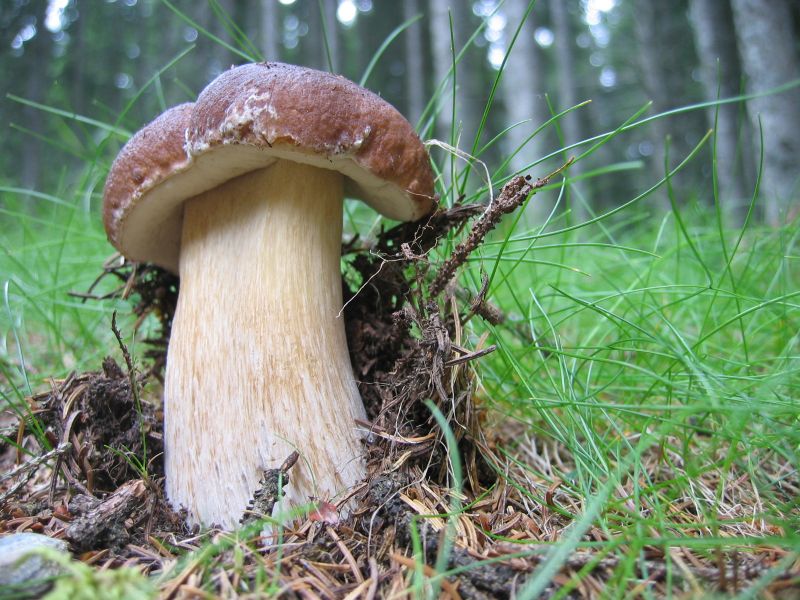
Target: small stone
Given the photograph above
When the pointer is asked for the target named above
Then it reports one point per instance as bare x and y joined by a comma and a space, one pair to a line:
16, 569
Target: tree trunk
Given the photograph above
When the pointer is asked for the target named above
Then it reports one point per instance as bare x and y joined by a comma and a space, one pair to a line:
37, 53
269, 41
666, 61
567, 97
712, 23
415, 69
468, 107
767, 44
442, 51
332, 28
78, 49
523, 93
470, 70
312, 44
213, 58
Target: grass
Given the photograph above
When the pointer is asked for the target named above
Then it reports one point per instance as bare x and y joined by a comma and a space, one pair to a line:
45, 253
671, 394
644, 390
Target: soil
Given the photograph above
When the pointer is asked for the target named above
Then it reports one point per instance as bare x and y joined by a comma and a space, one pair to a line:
99, 482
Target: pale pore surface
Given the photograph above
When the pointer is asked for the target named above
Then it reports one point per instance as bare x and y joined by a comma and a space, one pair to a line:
151, 225
258, 363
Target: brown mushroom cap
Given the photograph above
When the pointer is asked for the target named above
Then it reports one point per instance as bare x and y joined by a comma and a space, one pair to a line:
153, 155
247, 118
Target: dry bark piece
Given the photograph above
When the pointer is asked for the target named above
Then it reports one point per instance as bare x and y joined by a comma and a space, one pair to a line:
104, 525
269, 491
246, 204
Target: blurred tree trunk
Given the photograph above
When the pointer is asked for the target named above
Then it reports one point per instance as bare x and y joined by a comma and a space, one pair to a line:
468, 96
38, 52
229, 7
767, 44
155, 49
666, 61
78, 49
269, 38
331, 59
442, 54
212, 58
316, 45
523, 94
567, 97
468, 107
415, 68
470, 71
715, 39
313, 46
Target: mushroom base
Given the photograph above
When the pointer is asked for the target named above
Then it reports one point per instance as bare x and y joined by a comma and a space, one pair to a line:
258, 364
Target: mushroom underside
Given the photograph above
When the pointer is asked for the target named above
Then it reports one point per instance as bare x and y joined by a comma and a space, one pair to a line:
149, 229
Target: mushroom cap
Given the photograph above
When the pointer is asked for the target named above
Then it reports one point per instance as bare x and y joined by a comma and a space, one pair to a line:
246, 119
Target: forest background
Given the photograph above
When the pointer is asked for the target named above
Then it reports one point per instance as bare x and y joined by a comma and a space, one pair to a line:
69, 65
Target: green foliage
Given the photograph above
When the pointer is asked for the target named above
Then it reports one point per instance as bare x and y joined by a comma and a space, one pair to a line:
82, 582
54, 247
78, 581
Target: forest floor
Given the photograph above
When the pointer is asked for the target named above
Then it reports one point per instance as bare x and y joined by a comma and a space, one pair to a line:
445, 511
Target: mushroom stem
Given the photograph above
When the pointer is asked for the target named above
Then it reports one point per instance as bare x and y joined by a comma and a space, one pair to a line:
258, 364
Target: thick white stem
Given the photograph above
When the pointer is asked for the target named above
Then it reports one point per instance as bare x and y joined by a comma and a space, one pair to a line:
258, 363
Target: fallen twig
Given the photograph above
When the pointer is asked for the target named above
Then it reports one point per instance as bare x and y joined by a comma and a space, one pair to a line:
29, 468
470, 356
513, 194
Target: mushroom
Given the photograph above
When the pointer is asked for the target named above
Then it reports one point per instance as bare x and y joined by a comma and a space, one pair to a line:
241, 193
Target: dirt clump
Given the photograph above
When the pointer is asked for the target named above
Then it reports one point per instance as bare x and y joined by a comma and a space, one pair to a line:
113, 439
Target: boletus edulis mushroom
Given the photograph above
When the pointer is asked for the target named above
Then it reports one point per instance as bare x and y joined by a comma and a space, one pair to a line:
241, 193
